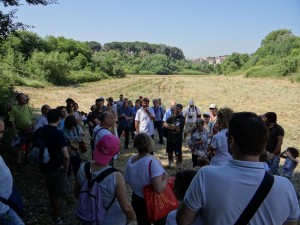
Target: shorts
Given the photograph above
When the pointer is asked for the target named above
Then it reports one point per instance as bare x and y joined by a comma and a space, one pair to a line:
25, 139
174, 147
57, 185
188, 127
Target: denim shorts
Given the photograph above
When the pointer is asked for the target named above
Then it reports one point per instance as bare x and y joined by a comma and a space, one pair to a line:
10, 218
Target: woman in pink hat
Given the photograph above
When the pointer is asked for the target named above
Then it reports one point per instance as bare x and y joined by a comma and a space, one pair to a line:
120, 211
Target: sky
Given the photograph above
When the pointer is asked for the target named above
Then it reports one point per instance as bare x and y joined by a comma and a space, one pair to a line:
200, 28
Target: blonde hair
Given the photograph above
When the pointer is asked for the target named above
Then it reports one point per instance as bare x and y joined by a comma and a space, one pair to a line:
143, 142
224, 115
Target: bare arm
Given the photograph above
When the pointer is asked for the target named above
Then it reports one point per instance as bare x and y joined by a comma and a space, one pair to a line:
66, 159
137, 126
159, 183
14, 129
122, 197
185, 215
278, 146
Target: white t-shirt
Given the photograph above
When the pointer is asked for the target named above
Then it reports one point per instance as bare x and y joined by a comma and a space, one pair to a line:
171, 219
99, 134
219, 142
145, 123
137, 173
223, 192
6, 183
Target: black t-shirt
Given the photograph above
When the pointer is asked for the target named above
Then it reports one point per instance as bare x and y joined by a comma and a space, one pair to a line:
274, 132
55, 141
96, 114
175, 136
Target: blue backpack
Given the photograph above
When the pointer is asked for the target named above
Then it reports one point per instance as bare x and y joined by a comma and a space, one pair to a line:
90, 209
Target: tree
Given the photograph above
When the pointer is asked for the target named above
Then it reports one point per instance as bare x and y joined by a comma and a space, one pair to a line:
7, 20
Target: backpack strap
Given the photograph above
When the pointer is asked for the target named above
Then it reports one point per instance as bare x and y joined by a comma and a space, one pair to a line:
149, 168
94, 137
100, 177
87, 171
12, 205
258, 198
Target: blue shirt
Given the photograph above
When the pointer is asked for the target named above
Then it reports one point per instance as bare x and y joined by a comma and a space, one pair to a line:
122, 121
158, 113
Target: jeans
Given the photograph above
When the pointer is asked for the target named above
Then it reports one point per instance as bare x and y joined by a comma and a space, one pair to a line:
126, 130
274, 165
158, 127
10, 218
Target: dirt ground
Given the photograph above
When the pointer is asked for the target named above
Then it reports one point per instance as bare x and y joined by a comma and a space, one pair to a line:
241, 94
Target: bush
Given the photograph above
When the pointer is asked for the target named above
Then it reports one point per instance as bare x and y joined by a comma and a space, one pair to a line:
264, 71
6, 89
77, 77
289, 65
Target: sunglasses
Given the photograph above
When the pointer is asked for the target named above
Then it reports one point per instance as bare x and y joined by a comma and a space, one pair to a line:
212, 108
206, 116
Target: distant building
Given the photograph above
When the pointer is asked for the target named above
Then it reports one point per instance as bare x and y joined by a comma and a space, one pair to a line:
212, 60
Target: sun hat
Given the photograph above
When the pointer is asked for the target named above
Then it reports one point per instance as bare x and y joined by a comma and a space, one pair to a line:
214, 106
106, 149
191, 102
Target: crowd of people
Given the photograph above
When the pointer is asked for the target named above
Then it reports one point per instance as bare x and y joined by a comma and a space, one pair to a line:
230, 152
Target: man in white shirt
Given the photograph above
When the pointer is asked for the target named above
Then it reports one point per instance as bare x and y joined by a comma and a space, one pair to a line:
190, 114
222, 193
144, 119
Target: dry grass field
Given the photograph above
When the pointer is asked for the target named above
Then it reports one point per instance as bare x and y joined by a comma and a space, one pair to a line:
239, 93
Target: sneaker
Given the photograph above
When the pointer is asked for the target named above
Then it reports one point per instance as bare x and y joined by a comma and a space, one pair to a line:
169, 165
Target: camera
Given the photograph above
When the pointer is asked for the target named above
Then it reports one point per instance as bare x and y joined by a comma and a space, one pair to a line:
190, 116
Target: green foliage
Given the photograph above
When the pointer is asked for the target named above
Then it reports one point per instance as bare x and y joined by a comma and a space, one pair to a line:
77, 77
136, 47
6, 88
289, 65
158, 64
109, 62
264, 71
234, 62
70, 46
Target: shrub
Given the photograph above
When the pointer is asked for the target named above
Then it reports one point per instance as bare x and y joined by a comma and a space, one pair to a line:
264, 71
289, 65
85, 76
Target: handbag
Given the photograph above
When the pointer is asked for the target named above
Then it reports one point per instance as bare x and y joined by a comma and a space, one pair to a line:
258, 198
158, 205
74, 144
82, 147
